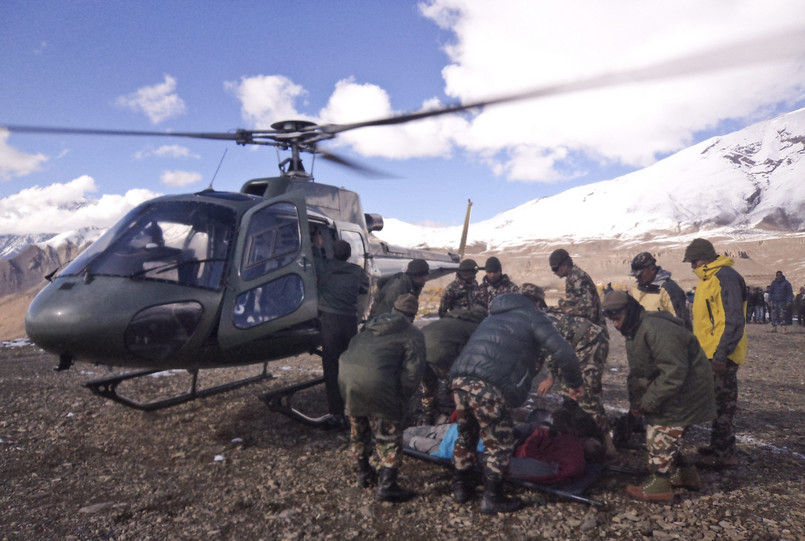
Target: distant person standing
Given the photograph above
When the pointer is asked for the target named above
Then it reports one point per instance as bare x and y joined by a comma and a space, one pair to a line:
719, 322
339, 285
781, 297
464, 291
411, 281
655, 290
495, 282
799, 306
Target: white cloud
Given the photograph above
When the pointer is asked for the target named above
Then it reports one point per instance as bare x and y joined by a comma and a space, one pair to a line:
266, 99
159, 102
14, 163
505, 47
166, 151
179, 178
64, 207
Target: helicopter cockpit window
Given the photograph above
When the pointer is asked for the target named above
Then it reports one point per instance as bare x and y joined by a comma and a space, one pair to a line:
273, 240
173, 241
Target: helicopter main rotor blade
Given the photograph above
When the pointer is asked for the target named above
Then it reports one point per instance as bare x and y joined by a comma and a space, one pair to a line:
763, 49
362, 169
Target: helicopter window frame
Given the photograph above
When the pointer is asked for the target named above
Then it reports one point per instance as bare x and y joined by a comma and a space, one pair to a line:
273, 240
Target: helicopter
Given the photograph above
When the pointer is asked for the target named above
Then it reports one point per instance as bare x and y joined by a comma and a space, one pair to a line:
222, 279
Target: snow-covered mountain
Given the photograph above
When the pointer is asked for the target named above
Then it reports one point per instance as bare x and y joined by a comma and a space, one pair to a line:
749, 182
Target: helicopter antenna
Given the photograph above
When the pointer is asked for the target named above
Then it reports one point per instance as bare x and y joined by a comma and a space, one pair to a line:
217, 169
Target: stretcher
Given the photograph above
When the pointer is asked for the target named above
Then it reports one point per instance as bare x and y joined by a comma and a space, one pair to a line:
570, 490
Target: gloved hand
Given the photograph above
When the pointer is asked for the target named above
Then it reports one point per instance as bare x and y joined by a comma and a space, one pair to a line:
718, 365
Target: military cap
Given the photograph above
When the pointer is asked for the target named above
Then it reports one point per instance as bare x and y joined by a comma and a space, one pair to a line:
559, 257
533, 292
642, 261
342, 250
407, 304
700, 249
615, 301
417, 267
468, 265
493, 265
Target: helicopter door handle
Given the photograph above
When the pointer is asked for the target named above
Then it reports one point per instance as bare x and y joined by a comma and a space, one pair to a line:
303, 263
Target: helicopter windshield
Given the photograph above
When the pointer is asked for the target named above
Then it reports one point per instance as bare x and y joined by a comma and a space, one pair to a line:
185, 242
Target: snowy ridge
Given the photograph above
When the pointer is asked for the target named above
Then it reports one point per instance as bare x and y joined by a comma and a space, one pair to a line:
749, 182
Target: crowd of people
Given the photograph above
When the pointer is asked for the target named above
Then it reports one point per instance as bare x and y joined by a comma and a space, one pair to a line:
493, 337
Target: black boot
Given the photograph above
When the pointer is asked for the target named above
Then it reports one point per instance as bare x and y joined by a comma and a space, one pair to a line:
493, 500
366, 474
388, 489
463, 486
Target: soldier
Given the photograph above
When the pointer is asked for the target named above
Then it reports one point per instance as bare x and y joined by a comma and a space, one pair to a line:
581, 295
411, 281
799, 306
464, 291
444, 339
491, 376
669, 383
339, 285
719, 322
495, 282
379, 373
591, 346
655, 290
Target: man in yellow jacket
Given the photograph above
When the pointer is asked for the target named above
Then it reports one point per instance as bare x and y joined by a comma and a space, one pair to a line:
719, 319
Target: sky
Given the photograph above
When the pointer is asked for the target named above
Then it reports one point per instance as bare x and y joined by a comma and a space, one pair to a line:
688, 70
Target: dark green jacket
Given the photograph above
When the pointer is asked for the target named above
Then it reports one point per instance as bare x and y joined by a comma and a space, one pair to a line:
399, 284
445, 337
669, 373
382, 367
340, 283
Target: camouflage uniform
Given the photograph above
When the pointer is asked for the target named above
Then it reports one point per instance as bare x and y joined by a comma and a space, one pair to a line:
482, 412
461, 294
581, 298
722, 436
388, 438
591, 345
503, 285
662, 444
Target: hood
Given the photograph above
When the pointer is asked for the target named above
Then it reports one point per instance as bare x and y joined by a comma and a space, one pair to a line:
661, 276
510, 301
391, 322
705, 272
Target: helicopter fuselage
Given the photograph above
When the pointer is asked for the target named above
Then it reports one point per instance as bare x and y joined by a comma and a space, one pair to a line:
211, 279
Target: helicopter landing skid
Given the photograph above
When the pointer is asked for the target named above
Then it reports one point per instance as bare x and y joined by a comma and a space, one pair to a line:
107, 388
280, 402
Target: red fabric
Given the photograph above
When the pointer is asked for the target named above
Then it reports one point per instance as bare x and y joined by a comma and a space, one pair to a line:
562, 449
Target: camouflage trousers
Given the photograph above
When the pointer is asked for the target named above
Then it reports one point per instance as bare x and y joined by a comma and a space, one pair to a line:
430, 388
482, 412
592, 358
388, 440
722, 437
662, 444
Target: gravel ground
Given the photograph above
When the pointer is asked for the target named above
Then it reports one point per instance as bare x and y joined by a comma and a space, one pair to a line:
74, 466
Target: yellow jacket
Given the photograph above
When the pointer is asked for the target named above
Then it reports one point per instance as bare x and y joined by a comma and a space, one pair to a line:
652, 301
719, 311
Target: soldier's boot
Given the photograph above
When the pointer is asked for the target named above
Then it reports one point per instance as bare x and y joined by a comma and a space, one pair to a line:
494, 501
686, 477
366, 474
657, 488
716, 462
463, 486
388, 490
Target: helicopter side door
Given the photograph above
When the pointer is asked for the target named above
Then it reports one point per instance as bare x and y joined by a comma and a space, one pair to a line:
272, 283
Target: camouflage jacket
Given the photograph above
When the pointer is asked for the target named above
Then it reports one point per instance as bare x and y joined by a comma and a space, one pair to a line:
503, 285
581, 297
461, 294
580, 332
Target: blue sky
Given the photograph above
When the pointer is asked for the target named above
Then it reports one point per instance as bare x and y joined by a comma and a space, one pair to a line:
217, 66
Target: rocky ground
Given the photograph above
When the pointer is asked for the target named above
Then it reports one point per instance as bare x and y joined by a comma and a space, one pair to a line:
74, 466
